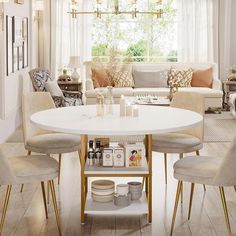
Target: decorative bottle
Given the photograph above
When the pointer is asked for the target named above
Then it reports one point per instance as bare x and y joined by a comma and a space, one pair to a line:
109, 101
100, 105
91, 154
98, 154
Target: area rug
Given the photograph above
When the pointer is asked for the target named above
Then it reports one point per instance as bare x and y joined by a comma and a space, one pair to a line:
219, 127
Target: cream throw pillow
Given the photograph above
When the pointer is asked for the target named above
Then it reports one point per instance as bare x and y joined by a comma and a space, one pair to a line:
53, 88
122, 77
182, 77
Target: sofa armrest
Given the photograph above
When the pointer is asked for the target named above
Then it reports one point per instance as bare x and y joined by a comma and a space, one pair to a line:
217, 84
89, 84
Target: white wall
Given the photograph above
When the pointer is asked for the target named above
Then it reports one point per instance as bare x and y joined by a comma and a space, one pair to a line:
12, 86
233, 34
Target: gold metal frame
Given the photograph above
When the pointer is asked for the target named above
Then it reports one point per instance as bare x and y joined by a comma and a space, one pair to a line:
84, 177
74, 12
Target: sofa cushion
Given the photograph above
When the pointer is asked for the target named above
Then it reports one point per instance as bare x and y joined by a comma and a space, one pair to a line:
122, 77
117, 92
206, 92
180, 77
151, 91
150, 79
202, 78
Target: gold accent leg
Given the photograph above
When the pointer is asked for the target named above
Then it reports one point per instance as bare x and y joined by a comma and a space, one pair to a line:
86, 185
22, 186
204, 186
181, 156
59, 173
48, 192
51, 184
83, 153
179, 189
191, 200
149, 183
165, 163
44, 199
222, 194
5, 205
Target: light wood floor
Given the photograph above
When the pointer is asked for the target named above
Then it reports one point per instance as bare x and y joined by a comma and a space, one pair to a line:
26, 216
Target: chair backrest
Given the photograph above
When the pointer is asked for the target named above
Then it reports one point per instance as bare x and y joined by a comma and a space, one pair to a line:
226, 174
193, 102
6, 174
39, 77
31, 103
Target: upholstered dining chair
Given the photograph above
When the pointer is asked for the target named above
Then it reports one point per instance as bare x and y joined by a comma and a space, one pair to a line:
43, 82
21, 170
44, 141
185, 141
207, 170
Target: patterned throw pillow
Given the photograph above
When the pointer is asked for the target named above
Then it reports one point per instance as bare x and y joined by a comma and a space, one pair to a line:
181, 77
123, 77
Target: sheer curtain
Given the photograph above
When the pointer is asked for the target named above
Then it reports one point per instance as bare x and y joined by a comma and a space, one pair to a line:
67, 36
204, 32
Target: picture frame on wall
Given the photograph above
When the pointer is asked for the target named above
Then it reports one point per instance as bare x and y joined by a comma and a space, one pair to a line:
9, 46
25, 41
17, 31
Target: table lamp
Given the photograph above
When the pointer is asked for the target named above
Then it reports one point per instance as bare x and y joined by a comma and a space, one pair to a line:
74, 63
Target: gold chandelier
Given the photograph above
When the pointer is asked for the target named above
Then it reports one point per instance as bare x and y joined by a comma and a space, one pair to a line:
133, 12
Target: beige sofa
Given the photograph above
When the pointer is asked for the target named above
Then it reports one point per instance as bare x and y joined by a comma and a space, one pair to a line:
212, 96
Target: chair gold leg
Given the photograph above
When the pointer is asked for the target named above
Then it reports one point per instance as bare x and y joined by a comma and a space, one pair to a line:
191, 200
181, 156
48, 192
179, 188
222, 194
204, 186
51, 184
5, 205
44, 199
22, 186
59, 174
165, 163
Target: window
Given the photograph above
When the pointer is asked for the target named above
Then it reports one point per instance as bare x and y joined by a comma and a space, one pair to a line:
144, 38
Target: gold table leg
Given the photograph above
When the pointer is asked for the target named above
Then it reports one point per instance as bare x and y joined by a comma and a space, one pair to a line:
83, 153
149, 184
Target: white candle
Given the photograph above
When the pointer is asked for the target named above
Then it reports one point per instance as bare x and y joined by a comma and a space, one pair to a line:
122, 105
135, 111
129, 110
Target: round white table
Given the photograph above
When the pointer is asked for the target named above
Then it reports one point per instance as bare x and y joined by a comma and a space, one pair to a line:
82, 120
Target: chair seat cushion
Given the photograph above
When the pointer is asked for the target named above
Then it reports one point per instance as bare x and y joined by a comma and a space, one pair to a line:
53, 143
197, 169
34, 168
175, 143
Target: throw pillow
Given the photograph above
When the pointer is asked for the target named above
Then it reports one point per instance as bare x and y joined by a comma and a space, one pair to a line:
202, 78
100, 77
181, 77
147, 79
53, 88
122, 77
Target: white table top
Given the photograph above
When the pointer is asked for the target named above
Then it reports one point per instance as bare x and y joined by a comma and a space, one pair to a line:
83, 120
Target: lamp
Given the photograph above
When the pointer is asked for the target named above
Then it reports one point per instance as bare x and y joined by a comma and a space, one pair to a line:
134, 11
74, 63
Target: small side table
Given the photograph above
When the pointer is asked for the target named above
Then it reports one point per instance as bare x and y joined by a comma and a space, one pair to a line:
74, 88
228, 88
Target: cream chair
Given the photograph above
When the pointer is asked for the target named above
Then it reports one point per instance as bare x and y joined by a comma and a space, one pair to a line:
44, 141
206, 170
21, 170
185, 141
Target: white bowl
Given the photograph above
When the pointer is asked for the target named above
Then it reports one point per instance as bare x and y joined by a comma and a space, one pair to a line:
103, 184
107, 198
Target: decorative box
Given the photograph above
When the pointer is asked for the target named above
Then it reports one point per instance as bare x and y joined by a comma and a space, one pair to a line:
134, 154
107, 157
119, 157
